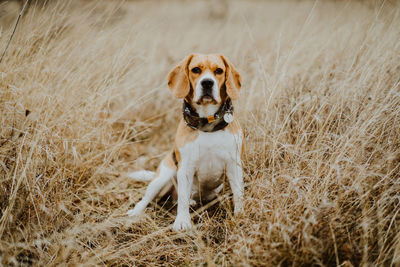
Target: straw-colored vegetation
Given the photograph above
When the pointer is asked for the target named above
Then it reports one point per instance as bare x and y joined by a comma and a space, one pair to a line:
83, 100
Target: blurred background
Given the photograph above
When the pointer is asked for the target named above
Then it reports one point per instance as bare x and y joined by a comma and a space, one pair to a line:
84, 100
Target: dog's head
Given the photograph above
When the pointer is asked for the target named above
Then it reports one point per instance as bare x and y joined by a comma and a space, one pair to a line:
205, 79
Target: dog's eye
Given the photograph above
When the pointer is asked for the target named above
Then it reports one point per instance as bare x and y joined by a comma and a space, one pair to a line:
196, 70
218, 71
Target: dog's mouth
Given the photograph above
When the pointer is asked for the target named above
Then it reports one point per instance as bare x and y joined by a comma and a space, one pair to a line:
206, 99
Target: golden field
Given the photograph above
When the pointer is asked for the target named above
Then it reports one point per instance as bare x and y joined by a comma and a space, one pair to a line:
84, 100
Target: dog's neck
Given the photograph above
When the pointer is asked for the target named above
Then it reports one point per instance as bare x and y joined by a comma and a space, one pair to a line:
213, 117
205, 111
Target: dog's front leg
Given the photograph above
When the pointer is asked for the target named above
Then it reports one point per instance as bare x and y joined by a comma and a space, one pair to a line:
185, 180
235, 176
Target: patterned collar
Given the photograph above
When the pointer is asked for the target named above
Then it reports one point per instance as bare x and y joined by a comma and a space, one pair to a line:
213, 123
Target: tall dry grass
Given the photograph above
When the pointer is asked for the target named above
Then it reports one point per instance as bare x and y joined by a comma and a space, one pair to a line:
83, 100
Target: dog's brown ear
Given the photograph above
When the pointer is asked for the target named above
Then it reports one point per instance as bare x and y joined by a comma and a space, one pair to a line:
178, 78
233, 80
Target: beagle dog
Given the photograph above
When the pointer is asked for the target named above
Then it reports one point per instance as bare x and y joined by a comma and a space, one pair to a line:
208, 143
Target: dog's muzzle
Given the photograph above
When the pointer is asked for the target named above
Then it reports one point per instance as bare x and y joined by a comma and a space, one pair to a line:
207, 90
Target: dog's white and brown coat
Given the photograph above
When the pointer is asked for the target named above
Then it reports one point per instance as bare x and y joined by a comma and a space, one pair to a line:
204, 153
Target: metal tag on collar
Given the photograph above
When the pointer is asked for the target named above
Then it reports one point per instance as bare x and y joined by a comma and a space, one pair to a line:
211, 119
228, 117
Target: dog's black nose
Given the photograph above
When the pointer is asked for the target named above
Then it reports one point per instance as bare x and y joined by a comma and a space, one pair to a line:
207, 84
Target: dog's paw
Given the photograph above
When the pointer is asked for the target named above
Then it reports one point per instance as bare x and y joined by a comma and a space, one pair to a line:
238, 211
192, 203
182, 224
137, 210
133, 213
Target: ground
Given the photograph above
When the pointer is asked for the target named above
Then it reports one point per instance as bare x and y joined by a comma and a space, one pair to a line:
84, 100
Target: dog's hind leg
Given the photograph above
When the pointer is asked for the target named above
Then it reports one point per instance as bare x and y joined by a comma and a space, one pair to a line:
214, 193
142, 175
164, 175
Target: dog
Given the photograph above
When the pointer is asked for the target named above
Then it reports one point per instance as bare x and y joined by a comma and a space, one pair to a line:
208, 142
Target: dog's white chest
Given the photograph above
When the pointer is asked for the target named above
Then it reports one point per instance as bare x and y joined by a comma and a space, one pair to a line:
209, 154
214, 151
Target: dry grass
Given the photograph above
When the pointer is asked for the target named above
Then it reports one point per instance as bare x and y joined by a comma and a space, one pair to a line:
84, 99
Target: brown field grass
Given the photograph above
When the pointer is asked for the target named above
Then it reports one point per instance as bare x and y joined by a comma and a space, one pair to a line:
83, 100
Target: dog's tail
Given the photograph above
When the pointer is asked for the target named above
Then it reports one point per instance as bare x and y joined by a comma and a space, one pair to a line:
142, 175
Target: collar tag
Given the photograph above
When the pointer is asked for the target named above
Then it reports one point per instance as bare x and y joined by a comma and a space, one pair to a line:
210, 118
228, 117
